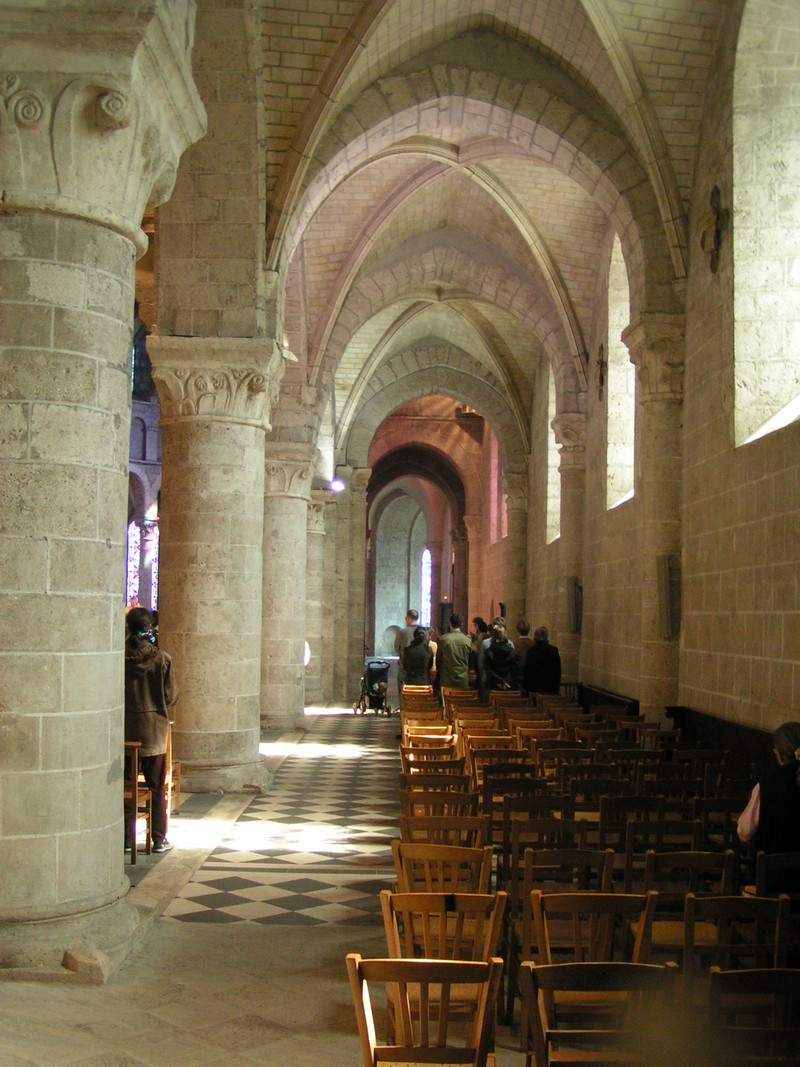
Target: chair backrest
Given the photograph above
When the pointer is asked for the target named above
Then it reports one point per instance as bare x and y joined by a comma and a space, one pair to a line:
590, 927
615, 812
469, 831
443, 926
674, 874
755, 1015
439, 801
420, 992
625, 1031
778, 872
426, 868
436, 780
537, 833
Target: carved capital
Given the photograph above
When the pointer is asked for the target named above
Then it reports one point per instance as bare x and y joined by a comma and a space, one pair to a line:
472, 524
515, 486
288, 470
359, 480
216, 378
656, 345
315, 522
92, 144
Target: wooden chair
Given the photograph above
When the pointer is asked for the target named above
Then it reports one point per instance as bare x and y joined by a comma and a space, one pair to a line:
451, 802
754, 1016
775, 873
501, 780
444, 926
620, 1039
486, 756
673, 875
469, 831
717, 817
590, 926
426, 868
657, 835
733, 933
137, 801
420, 993
556, 870
615, 812
544, 805
430, 761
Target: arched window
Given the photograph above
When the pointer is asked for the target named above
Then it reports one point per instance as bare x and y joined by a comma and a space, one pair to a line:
766, 232
621, 386
425, 586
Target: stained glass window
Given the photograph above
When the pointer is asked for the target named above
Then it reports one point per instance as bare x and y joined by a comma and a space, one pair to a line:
426, 569
134, 554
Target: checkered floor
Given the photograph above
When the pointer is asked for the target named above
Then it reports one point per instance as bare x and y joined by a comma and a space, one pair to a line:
317, 848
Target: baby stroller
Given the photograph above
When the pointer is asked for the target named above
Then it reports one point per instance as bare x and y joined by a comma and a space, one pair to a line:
374, 683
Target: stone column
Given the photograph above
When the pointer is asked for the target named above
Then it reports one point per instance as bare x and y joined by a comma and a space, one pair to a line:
316, 618
287, 489
88, 137
460, 568
570, 432
655, 343
472, 525
351, 564
437, 590
331, 634
515, 486
215, 395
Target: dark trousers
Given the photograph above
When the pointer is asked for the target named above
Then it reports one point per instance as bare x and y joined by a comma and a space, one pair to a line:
154, 769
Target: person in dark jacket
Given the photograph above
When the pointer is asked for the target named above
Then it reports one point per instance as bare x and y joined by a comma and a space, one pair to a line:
771, 820
150, 691
500, 660
418, 659
542, 671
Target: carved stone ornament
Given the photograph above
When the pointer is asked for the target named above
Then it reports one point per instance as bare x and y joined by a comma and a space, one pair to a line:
231, 393
25, 107
570, 430
515, 486
112, 109
315, 521
288, 471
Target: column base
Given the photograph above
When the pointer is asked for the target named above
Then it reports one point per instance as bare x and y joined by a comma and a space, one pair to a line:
252, 777
85, 948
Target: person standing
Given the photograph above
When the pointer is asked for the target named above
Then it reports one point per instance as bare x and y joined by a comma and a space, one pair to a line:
524, 642
542, 671
150, 691
500, 660
454, 652
402, 641
418, 659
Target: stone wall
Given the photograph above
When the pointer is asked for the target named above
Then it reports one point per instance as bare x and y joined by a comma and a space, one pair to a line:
741, 617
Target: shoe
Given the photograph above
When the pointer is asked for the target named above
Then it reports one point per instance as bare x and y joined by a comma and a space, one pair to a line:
162, 846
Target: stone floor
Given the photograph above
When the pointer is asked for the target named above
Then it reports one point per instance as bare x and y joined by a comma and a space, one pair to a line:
258, 904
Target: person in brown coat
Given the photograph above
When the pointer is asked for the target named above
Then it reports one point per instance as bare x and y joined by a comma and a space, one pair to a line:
150, 691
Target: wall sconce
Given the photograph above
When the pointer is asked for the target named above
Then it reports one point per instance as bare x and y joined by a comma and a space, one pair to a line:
715, 224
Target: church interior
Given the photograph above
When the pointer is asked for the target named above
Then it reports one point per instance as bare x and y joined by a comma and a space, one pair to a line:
312, 311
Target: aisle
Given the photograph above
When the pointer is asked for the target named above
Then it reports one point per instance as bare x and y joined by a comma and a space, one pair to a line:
317, 848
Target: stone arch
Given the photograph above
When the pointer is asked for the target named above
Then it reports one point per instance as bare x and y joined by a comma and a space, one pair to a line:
562, 126
466, 277
474, 267
429, 372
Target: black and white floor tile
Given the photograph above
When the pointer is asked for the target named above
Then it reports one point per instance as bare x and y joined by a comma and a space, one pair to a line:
315, 849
